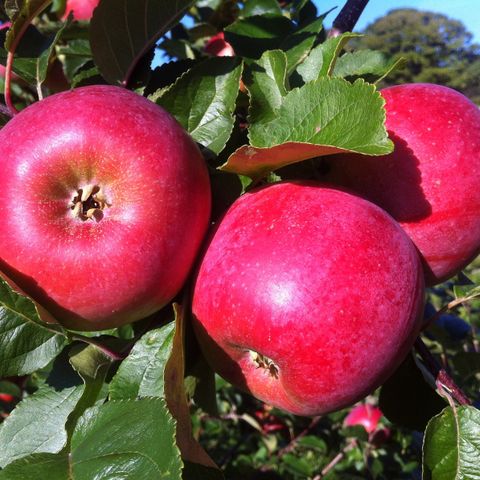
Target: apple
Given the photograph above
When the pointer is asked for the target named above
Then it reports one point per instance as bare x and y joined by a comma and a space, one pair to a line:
105, 201
6, 398
218, 46
308, 297
365, 415
429, 184
82, 9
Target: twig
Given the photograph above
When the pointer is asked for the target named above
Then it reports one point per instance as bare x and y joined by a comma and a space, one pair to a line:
293, 442
440, 374
348, 17
338, 458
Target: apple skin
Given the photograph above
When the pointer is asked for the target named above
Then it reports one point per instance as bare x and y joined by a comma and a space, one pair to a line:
132, 258
322, 284
82, 9
365, 415
429, 184
219, 47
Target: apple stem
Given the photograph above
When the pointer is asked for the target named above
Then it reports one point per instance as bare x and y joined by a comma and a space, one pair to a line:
116, 356
444, 381
348, 17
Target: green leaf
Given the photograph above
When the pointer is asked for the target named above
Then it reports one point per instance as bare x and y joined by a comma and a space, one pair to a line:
203, 100
451, 448
265, 80
141, 373
37, 424
26, 343
126, 439
321, 118
299, 43
250, 37
122, 31
260, 7
38, 466
76, 53
44, 59
466, 363
373, 66
321, 60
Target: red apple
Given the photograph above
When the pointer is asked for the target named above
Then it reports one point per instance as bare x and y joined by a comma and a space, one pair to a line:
105, 200
430, 182
82, 9
308, 297
219, 47
365, 415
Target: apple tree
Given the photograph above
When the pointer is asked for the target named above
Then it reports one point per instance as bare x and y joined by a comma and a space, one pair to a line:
225, 253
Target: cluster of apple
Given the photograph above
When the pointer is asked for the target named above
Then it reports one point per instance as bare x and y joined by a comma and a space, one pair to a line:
308, 294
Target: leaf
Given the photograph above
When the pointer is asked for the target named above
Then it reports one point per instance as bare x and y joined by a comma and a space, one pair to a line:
371, 65
451, 448
321, 60
21, 13
203, 100
75, 55
126, 439
177, 400
26, 343
37, 424
265, 80
250, 37
466, 363
44, 59
122, 31
260, 7
38, 466
321, 118
141, 374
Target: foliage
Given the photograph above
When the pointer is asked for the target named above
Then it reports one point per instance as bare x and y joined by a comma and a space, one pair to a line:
139, 401
437, 49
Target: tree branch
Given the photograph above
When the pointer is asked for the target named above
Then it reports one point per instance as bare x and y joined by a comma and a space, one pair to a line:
348, 17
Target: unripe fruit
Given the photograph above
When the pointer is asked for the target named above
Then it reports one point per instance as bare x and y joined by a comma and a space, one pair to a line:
430, 182
307, 297
105, 200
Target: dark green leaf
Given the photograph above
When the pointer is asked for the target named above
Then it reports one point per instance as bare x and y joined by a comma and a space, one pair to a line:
203, 100
371, 65
26, 343
75, 55
126, 439
38, 466
37, 425
122, 31
252, 36
451, 448
141, 373
260, 7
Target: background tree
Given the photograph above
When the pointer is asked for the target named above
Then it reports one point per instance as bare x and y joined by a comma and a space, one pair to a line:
437, 49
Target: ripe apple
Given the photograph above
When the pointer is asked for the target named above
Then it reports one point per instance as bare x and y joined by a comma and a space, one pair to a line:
105, 200
365, 415
6, 398
429, 184
82, 9
308, 297
219, 47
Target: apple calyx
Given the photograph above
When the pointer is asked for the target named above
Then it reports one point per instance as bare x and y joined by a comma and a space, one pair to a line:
262, 361
89, 203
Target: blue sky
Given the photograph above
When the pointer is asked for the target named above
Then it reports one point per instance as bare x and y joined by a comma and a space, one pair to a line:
468, 11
